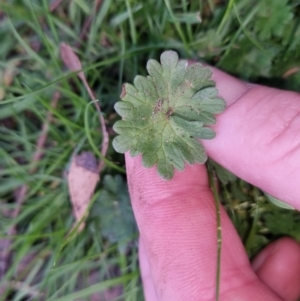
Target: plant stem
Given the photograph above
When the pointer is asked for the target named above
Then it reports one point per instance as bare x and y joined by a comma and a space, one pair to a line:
219, 231
253, 230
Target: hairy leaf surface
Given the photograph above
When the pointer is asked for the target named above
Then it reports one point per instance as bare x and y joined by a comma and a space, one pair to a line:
165, 113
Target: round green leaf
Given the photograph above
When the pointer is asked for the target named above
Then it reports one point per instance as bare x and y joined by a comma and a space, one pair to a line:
166, 113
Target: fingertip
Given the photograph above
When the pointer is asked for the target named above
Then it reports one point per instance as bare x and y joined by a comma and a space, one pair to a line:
148, 284
177, 224
146, 182
278, 266
229, 87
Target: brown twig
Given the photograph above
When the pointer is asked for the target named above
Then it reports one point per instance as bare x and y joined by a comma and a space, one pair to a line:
43, 136
5, 244
291, 71
73, 63
55, 4
82, 180
88, 23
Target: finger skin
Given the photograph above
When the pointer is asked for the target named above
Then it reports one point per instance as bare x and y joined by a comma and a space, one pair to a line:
176, 219
148, 284
177, 224
258, 137
278, 265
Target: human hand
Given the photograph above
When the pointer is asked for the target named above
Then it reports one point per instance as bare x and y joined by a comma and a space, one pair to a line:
256, 140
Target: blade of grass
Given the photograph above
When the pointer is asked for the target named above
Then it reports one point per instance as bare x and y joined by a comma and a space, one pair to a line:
131, 23
247, 20
177, 25
225, 17
27, 48
96, 288
255, 42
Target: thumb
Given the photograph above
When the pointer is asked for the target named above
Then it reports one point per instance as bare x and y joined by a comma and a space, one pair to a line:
177, 225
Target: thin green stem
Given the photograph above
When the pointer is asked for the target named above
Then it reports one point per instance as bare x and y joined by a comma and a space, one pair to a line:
131, 23
253, 229
225, 17
219, 232
123, 267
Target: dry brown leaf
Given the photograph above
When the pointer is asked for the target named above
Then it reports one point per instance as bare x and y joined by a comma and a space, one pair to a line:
71, 60
291, 71
83, 177
82, 180
55, 4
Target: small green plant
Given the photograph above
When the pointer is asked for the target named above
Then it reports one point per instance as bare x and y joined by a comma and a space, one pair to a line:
165, 113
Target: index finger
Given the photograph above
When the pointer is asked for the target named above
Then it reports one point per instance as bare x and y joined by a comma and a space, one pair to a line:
257, 136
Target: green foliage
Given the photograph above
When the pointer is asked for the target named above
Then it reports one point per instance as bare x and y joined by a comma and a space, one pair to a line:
116, 218
224, 175
247, 60
262, 42
272, 17
287, 60
283, 222
166, 113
